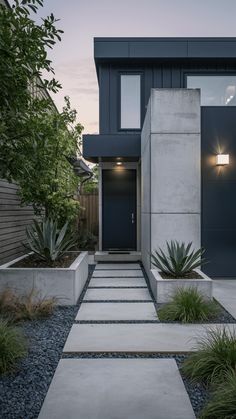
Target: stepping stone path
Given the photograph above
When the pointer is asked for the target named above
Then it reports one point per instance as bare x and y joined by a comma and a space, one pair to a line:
118, 314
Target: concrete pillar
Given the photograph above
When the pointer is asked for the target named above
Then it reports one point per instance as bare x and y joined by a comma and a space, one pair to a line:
170, 170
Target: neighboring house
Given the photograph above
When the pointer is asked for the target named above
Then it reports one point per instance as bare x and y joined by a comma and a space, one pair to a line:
158, 144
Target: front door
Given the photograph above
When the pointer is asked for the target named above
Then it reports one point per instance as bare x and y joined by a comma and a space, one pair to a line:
119, 209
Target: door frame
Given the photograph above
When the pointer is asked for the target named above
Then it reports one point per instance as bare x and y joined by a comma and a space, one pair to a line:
126, 165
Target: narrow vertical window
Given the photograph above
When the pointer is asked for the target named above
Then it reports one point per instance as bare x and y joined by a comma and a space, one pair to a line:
130, 101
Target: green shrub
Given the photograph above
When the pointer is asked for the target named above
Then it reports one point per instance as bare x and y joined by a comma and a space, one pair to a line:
47, 241
187, 305
222, 404
12, 346
179, 259
215, 356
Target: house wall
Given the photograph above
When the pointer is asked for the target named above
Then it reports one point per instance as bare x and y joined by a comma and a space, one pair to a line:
170, 170
218, 130
13, 220
168, 74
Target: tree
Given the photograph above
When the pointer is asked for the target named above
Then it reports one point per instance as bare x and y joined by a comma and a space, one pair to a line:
34, 137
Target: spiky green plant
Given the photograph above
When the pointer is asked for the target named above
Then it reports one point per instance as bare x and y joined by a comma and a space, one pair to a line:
48, 242
179, 259
222, 404
215, 356
188, 305
12, 346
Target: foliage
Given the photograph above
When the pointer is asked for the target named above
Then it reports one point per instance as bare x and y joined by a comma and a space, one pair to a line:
87, 240
222, 404
187, 305
215, 356
179, 259
47, 241
35, 138
51, 182
91, 185
12, 346
33, 306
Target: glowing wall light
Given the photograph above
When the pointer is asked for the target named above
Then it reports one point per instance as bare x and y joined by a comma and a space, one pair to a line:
222, 159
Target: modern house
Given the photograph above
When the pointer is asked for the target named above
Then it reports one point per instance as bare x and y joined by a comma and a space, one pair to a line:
167, 146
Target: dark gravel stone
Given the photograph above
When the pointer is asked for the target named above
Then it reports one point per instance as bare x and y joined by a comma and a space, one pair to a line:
22, 392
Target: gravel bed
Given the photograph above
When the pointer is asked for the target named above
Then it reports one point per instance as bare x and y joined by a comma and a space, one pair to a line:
23, 391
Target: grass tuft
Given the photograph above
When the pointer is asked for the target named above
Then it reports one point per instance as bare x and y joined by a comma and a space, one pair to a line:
32, 306
187, 305
222, 404
215, 357
12, 346
28, 307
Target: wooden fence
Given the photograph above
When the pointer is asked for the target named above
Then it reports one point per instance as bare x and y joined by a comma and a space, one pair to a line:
13, 220
88, 219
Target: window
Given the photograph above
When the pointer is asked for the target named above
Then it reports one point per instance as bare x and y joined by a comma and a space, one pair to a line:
130, 101
215, 90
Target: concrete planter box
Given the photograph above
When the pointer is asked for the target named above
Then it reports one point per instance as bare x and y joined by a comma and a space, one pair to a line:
163, 289
66, 284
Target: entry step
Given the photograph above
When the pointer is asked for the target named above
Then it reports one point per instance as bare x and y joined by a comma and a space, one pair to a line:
117, 257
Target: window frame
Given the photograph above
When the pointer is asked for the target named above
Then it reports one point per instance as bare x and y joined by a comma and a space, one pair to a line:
129, 73
208, 73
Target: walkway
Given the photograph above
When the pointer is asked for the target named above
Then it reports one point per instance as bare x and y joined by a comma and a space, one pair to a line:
96, 380
117, 305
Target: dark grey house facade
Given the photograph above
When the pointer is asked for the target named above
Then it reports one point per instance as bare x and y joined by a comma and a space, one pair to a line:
158, 79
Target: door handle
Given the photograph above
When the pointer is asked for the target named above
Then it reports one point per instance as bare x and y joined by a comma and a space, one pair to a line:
132, 218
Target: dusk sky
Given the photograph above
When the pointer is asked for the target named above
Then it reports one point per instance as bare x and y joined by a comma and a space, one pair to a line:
82, 20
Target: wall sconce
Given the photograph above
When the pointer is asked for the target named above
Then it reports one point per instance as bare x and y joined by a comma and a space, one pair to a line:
119, 163
222, 159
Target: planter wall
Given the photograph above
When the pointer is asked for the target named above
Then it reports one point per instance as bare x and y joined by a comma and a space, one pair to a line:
66, 284
163, 289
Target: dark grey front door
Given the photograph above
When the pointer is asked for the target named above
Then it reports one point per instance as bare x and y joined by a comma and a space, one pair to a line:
119, 209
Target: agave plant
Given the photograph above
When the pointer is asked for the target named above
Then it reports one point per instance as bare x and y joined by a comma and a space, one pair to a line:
47, 241
179, 259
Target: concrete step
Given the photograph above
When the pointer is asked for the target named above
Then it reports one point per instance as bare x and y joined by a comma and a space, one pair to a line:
117, 282
126, 294
116, 311
117, 389
117, 257
144, 338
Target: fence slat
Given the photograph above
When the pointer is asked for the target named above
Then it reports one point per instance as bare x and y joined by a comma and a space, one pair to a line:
89, 216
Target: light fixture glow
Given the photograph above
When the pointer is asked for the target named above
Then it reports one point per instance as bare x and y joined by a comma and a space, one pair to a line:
222, 159
119, 163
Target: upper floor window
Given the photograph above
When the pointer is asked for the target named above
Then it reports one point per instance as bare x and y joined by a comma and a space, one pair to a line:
130, 101
215, 90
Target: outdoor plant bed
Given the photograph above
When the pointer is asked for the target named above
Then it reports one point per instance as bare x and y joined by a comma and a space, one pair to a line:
223, 316
22, 391
62, 282
32, 261
164, 288
178, 267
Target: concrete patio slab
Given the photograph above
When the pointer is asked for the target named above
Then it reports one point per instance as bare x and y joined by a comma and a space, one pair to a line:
152, 337
116, 273
117, 389
126, 294
104, 266
117, 282
224, 291
117, 311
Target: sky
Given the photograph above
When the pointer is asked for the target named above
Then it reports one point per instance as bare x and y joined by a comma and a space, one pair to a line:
82, 20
